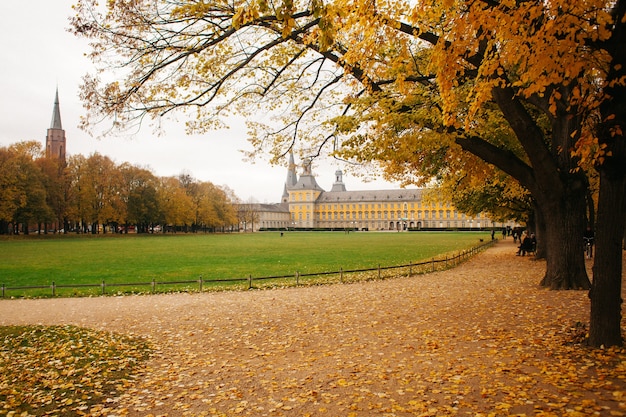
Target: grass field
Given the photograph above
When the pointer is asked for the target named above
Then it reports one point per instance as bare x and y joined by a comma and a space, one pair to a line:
78, 260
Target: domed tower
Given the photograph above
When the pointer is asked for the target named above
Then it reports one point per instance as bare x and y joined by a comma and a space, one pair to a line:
338, 185
55, 139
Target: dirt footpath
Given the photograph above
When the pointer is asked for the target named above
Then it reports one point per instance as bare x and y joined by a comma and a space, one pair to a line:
481, 338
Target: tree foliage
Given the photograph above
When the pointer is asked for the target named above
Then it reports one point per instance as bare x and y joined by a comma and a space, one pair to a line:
535, 89
93, 194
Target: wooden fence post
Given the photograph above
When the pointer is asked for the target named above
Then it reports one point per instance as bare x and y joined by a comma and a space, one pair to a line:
378, 271
54, 289
103, 285
410, 269
153, 285
297, 278
200, 283
3, 287
341, 275
249, 281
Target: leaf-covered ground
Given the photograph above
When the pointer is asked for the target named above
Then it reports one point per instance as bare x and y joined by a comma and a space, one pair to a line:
63, 370
480, 340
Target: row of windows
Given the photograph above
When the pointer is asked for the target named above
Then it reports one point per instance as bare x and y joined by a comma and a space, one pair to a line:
374, 224
392, 225
303, 196
386, 215
421, 214
448, 214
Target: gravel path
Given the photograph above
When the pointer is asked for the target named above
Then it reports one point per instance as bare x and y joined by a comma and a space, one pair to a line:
481, 338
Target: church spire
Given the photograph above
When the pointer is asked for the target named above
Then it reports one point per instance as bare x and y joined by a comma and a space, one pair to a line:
56, 113
55, 139
292, 178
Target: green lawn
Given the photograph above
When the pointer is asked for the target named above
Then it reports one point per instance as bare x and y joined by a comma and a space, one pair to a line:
71, 260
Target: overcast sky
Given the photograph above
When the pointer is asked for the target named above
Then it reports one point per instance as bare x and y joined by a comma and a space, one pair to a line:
38, 54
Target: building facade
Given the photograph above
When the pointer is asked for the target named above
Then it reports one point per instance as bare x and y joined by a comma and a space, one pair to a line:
305, 205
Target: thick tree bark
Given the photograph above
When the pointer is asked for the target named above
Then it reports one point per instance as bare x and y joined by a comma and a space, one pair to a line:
540, 232
605, 294
565, 263
560, 196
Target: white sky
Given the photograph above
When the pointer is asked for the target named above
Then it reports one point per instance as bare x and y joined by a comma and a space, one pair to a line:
38, 54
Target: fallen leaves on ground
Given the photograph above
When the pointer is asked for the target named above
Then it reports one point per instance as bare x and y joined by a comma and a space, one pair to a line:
480, 340
63, 370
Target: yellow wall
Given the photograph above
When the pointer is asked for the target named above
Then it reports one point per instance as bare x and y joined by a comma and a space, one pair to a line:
384, 215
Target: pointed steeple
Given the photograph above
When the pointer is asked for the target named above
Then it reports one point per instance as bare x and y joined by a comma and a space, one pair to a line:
56, 113
55, 139
292, 178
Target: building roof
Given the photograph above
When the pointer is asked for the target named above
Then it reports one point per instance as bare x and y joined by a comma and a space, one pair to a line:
370, 196
307, 180
276, 208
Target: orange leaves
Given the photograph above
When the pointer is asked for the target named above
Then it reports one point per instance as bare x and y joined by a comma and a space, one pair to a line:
244, 15
481, 340
63, 369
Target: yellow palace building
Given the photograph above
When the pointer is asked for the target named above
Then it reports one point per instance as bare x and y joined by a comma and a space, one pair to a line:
305, 205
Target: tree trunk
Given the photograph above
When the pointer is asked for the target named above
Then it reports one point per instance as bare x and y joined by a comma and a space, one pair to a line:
605, 293
540, 232
565, 262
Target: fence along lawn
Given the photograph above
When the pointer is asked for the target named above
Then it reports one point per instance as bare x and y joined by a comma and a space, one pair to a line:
87, 260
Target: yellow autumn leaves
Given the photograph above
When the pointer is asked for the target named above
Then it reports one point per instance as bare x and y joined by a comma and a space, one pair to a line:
482, 339
63, 370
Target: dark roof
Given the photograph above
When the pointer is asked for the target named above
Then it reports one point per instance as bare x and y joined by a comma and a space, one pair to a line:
414, 194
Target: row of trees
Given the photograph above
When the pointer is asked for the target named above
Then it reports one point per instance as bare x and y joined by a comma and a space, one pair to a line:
453, 90
93, 194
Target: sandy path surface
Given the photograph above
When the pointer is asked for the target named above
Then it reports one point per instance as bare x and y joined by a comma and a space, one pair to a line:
480, 338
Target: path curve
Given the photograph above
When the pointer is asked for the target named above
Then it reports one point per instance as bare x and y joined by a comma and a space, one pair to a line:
444, 343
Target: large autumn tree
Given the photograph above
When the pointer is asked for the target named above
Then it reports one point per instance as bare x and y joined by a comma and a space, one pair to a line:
438, 78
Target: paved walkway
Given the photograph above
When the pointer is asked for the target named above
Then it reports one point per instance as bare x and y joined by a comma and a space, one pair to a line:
483, 337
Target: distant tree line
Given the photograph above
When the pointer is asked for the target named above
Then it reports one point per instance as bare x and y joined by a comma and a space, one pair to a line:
95, 195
